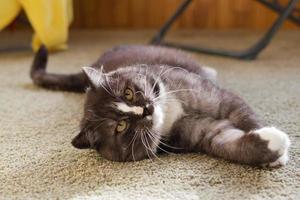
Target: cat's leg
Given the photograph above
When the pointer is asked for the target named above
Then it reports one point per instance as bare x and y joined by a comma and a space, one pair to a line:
238, 112
265, 146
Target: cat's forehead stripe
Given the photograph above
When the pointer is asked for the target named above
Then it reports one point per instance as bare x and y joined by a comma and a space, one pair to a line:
123, 107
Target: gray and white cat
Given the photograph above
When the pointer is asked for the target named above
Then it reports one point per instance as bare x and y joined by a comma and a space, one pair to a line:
146, 100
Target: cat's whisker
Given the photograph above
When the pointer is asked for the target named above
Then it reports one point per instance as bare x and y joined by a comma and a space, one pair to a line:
157, 79
167, 95
143, 75
108, 83
157, 144
160, 140
147, 148
179, 85
166, 71
153, 153
169, 99
131, 140
109, 90
173, 91
106, 89
132, 147
156, 94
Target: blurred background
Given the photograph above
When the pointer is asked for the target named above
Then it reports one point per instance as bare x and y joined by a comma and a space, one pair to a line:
201, 14
52, 20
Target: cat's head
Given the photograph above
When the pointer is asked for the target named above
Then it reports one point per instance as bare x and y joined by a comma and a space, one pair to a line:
123, 114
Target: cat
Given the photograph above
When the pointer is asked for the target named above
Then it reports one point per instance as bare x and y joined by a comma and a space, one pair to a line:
145, 100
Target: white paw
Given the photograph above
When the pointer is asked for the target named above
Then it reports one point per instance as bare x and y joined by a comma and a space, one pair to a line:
278, 141
281, 161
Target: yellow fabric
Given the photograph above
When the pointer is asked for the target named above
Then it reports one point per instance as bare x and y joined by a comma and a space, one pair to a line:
49, 18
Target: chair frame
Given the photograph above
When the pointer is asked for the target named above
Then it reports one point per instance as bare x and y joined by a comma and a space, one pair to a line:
287, 12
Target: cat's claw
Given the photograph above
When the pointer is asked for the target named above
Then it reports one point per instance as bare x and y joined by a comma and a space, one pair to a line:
278, 141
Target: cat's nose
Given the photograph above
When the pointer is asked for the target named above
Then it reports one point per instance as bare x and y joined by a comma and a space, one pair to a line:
148, 110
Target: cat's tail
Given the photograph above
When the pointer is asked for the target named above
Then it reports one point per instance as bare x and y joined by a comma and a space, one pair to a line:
72, 82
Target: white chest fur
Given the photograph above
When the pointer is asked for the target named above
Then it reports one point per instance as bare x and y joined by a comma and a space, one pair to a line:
173, 111
167, 112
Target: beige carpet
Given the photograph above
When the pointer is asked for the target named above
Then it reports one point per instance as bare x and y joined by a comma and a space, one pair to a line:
37, 160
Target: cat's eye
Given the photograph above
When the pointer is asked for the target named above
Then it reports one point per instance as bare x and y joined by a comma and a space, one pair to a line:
121, 126
128, 93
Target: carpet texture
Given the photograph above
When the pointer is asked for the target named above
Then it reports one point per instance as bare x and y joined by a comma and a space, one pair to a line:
37, 160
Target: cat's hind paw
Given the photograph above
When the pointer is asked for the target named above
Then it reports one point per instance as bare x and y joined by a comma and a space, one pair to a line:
278, 142
281, 161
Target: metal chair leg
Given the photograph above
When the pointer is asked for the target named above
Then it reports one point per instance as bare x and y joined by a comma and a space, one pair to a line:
163, 30
248, 54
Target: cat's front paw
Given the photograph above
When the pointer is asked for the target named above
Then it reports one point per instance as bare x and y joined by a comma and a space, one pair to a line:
278, 142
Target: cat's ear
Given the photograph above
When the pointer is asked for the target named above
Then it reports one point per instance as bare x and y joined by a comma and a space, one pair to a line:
81, 141
94, 76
